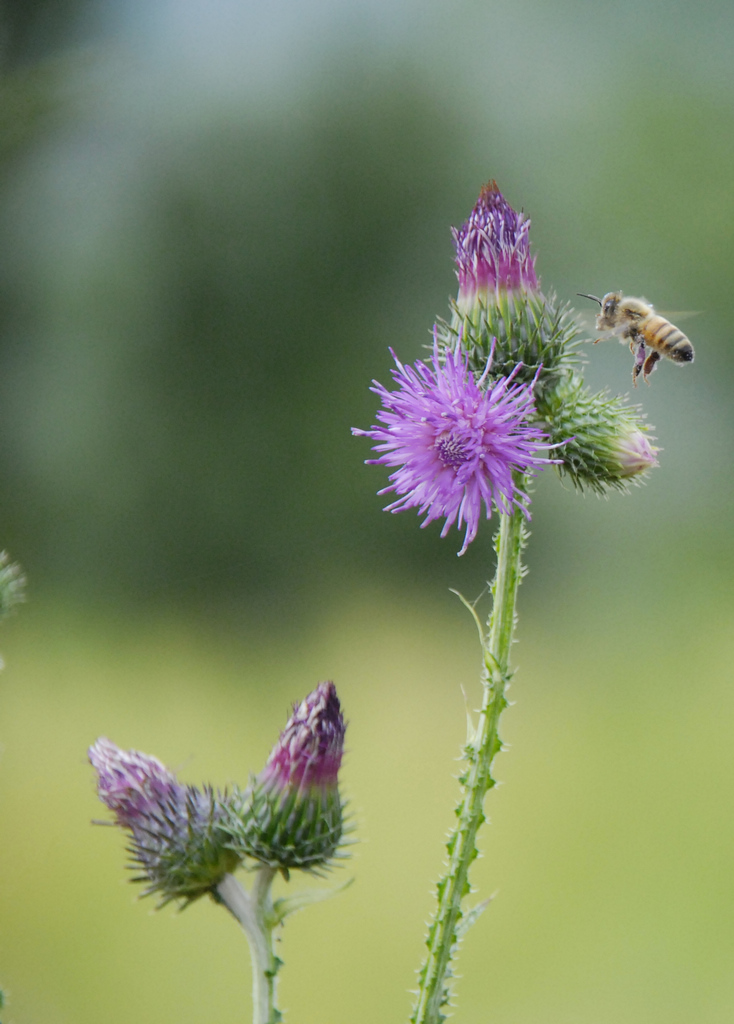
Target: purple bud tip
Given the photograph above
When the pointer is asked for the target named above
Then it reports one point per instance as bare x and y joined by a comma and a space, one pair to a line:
309, 751
130, 783
493, 249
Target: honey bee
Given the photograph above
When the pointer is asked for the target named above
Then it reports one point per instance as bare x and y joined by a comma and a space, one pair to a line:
635, 321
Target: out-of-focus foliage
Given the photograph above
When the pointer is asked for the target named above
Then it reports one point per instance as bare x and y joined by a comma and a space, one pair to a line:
194, 371
31, 30
196, 296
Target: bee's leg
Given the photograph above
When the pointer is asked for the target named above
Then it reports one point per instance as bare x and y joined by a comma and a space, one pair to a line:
650, 364
639, 359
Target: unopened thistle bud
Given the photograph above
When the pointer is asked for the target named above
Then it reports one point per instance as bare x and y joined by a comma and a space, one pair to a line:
607, 442
500, 304
293, 813
635, 453
176, 836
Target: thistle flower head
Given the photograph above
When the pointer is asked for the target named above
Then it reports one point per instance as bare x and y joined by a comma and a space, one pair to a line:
292, 816
454, 442
176, 838
492, 250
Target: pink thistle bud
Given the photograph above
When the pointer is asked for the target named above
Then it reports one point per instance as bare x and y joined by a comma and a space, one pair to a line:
292, 817
492, 251
635, 453
177, 840
131, 784
309, 751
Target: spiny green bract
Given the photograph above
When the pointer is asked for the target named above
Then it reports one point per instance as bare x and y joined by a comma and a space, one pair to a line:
182, 848
527, 328
287, 829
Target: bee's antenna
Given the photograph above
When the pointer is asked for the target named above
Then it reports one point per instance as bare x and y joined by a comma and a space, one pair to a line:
585, 296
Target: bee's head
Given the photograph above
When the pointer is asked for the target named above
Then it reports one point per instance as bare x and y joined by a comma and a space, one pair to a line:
609, 305
607, 317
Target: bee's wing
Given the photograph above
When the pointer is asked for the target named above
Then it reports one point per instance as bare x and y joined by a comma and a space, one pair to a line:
679, 314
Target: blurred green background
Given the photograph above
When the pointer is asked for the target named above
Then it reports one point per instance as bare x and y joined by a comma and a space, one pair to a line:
215, 217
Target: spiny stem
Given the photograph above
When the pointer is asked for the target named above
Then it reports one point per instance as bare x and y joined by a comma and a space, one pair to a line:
444, 933
254, 911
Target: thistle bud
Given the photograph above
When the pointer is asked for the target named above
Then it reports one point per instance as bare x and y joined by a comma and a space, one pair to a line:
607, 442
293, 813
500, 310
635, 453
176, 835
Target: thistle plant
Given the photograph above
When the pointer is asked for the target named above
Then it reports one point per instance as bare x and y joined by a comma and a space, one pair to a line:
502, 399
499, 398
185, 842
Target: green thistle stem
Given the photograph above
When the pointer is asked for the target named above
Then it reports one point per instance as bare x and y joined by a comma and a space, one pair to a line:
254, 911
446, 928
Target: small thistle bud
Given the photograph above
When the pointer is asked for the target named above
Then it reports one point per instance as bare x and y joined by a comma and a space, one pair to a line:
606, 440
294, 815
176, 834
500, 307
635, 453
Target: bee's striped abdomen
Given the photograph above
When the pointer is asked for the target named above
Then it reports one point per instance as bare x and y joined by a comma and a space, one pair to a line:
665, 337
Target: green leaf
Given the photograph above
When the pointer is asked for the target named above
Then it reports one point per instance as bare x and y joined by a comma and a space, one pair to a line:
471, 917
287, 905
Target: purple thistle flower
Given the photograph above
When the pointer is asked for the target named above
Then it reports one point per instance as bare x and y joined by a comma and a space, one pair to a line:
308, 753
455, 444
492, 250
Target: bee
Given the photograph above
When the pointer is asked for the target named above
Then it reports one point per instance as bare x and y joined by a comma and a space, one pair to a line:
635, 321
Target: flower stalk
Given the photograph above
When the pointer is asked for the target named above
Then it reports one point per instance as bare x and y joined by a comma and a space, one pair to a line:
254, 912
450, 921
463, 437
